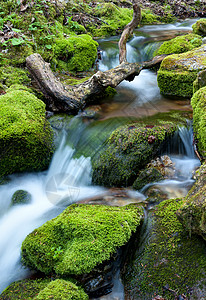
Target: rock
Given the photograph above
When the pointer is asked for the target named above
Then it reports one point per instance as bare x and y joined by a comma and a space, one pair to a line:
193, 213
200, 81
21, 197
127, 151
198, 102
167, 262
158, 169
44, 288
80, 238
25, 135
200, 27
180, 44
178, 72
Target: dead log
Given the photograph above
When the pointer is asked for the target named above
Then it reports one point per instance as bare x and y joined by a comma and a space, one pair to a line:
128, 30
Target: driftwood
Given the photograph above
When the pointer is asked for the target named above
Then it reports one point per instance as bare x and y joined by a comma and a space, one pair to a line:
71, 99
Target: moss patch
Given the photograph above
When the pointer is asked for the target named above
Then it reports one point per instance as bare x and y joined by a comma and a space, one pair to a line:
198, 102
177, 72
80, 238
168, 260
180, 44
12, 75
25, 135
62, 289
200, 27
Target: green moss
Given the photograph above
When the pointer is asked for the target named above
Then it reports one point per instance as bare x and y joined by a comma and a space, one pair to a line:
80, 238
168, 260
148, 17
62, 289
77, 53
21, 197
200, 27
177, 72
25, 134
11, 75
180, 44
127, 151
198, 103
147, 176
24, 289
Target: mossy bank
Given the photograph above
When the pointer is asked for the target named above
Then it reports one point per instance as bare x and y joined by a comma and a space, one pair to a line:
25, 135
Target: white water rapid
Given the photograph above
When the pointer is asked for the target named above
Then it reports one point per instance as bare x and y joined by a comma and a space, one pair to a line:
67, 181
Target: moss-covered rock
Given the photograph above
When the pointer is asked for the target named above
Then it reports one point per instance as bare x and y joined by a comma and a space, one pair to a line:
168, 260
180, 44
198, 102
21, 197
147, 176
193, 213
25, 134
200, 81
80, 238
61, 289
178, 72
45, 289
200, 27
128, 150
76, 53
12, 75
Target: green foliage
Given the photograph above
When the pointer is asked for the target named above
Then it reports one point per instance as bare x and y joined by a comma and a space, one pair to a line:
198, 103
180, 44
148, 17
25, 134
62, 289
85, 235
169, 258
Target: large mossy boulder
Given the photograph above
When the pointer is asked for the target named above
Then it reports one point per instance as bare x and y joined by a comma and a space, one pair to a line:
178, 72
198, 102
167, 261
25, 134
193, 213
180, 44
80, 238
45, 289
128, 150
200, 27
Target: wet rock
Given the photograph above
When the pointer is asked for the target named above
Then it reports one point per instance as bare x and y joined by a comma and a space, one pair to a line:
178, 72
21, 197
193, 213
163, 257
200, 27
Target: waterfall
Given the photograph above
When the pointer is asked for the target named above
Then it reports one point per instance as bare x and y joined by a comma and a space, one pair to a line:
67, 181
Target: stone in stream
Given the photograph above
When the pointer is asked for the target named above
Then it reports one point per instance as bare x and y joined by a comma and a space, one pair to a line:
128, 149
193, 213
44, 289
200, 27
83, 242
178, 72
167, 261
21, 197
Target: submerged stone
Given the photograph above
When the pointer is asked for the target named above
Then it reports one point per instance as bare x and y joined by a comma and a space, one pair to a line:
178, 72
167, 259
21, 197
193, 213
25, 134
80, 238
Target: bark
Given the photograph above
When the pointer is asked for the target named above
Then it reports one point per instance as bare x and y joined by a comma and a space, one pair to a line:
128, 30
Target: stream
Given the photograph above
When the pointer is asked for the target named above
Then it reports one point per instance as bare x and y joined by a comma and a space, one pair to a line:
68, 179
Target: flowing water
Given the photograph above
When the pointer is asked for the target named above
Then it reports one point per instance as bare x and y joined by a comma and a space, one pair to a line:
69, 179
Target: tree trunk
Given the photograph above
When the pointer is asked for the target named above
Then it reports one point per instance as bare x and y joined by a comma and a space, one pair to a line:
128, 30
